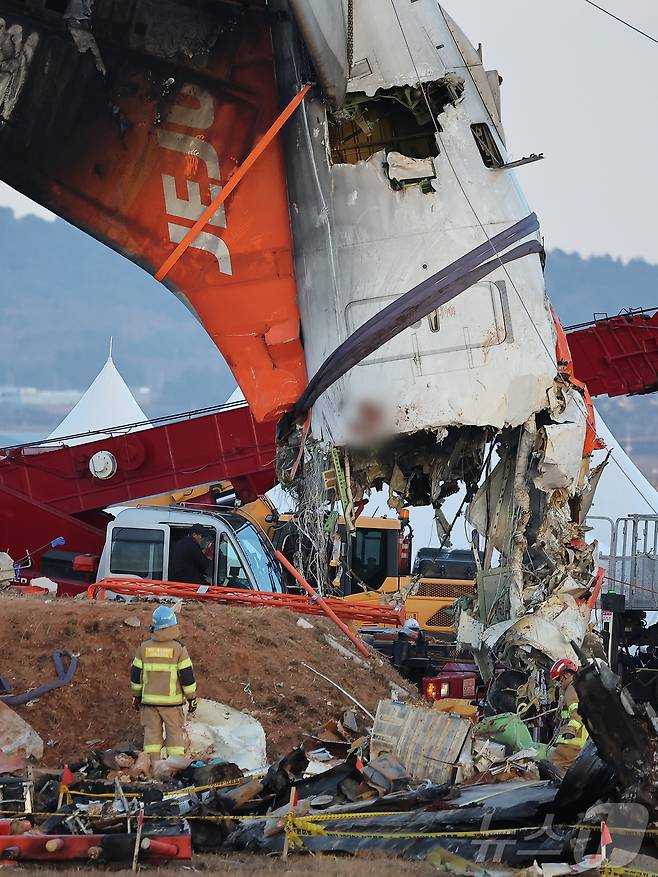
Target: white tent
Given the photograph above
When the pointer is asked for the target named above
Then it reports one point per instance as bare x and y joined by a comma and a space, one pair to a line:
236, 396
622, 490
107, 403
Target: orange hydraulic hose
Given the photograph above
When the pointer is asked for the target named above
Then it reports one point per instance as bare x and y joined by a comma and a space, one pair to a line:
367, 613
318, 599
253, 156
598, 585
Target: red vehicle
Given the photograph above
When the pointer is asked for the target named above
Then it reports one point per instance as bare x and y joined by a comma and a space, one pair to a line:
456, 680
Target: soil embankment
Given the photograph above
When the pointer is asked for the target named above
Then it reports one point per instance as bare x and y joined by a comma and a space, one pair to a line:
248, 658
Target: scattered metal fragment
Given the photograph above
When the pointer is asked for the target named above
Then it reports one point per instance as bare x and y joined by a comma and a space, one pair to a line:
625, 732
78, 15
340, 688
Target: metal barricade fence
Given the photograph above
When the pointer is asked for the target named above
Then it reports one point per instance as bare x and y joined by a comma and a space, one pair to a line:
632, 562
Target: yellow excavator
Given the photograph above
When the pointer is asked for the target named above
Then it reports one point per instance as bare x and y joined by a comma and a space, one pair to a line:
377, 558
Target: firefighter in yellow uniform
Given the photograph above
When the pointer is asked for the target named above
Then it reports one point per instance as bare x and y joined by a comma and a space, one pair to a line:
161, 680
572, 734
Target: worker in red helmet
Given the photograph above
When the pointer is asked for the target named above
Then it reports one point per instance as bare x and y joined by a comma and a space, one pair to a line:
572, 733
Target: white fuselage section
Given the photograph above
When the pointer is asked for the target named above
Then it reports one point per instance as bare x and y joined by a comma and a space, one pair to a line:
488, 357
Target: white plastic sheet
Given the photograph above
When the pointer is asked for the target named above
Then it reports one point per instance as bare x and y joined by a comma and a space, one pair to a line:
219, 731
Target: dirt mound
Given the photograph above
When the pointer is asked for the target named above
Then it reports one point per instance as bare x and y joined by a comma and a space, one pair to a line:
248, 658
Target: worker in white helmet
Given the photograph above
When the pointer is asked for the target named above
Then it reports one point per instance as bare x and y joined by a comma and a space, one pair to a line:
410, 644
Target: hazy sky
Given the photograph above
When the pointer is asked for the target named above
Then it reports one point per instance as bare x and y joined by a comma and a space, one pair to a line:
580, 88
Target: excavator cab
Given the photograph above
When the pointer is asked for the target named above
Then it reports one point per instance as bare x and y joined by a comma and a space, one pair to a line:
373, 554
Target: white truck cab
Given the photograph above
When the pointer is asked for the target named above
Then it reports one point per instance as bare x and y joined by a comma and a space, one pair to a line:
140, 540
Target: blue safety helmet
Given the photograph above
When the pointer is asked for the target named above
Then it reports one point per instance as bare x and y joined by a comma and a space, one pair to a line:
164, 616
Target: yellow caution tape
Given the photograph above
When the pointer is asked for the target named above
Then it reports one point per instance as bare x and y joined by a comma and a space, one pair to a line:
642, 832
492, 832
95, 795
225, 785
332, 817
300, 826
24, 814
295, 827
618, 871
307, 825
312, 818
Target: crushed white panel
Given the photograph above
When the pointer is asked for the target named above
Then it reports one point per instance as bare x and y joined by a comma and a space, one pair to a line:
492, 634
487, 357
469, 631
402, 169
551, 628
563, 453
18, 737
45, 582
381, 58
494, 493
216, 730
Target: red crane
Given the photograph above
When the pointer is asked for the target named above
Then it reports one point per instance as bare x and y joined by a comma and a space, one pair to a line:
617, 355
47, 491
52, 491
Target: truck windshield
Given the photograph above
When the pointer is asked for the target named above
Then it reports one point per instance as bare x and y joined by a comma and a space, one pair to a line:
264, 566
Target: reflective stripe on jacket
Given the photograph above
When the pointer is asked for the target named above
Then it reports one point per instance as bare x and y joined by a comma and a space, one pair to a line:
162, 673
572, 724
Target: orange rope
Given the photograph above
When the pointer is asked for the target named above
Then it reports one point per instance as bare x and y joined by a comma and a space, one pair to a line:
322, 603
253, 156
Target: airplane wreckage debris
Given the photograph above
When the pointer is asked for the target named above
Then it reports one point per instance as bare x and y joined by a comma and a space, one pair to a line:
464, 382
416, 782
398, 266
398, 248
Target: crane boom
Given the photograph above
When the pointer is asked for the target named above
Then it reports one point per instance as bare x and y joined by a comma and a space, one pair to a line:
47, 492
617, 356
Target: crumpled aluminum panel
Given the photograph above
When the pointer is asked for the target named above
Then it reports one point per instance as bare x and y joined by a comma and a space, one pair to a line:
427, 742
485, 359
